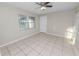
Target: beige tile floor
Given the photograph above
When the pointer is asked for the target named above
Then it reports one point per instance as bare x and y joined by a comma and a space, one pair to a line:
40, 44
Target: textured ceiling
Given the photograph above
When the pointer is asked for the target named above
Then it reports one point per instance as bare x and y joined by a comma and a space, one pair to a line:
34, 8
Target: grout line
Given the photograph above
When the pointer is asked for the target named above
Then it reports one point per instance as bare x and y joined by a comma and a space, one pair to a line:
8, 51
73, 50
31, 48
21, 50
43, 37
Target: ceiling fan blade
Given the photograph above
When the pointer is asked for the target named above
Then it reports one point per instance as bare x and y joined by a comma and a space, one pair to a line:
49, 6
46, 3
38, 3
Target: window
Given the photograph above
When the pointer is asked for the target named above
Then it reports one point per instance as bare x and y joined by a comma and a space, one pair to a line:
31, 22
26, 22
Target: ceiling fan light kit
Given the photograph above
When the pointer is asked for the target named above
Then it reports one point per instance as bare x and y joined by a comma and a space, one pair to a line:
44, 5
43, 8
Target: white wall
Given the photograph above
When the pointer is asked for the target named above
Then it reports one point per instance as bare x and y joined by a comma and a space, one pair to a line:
9, 27
59, 22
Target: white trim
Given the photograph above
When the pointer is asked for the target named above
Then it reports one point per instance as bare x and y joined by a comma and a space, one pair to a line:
18, 39
55, 34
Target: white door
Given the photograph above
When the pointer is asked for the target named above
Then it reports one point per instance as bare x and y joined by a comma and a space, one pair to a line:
43, 23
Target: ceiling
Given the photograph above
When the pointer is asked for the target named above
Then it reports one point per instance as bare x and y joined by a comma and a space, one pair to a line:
34, 8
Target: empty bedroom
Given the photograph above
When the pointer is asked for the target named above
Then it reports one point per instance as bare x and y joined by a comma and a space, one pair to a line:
39, 28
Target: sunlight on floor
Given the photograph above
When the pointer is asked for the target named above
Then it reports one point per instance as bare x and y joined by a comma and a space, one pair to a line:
70, 32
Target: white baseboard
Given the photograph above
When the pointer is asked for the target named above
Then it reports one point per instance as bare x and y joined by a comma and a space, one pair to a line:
55, 34
18, 39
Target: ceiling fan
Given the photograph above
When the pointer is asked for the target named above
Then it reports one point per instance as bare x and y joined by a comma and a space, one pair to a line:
44, 5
